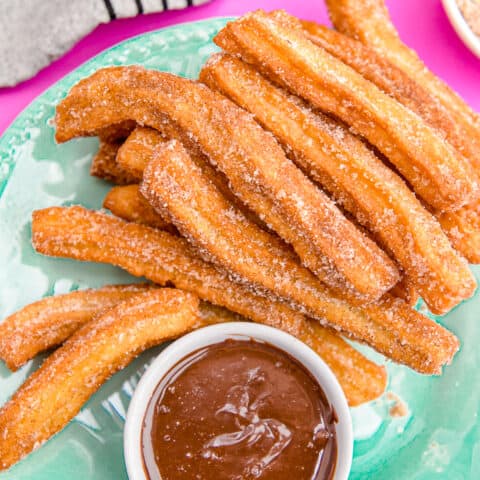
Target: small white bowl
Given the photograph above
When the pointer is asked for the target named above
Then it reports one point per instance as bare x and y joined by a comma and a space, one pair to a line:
460, 25
216, 334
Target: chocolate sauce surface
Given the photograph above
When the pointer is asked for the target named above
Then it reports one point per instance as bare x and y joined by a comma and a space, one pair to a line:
239, 409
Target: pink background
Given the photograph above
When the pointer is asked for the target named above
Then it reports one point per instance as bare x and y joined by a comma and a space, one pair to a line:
422, 24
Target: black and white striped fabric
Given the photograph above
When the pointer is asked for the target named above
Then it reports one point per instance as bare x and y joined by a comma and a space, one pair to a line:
129, 8
35, 32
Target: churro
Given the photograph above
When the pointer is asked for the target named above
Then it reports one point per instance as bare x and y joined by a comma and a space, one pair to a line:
137, 150
437, 172
347, 363
126, 202
173, 261
254, 163
392, 80
378, 198
47, 323
104, 163
105, 166
178, 189
389, 326
210, 314
369, 22
463, 230
56, 392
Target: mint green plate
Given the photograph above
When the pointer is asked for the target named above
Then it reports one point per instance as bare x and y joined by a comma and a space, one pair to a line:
438, 438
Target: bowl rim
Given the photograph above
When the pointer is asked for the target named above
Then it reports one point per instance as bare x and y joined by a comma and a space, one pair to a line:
461, 26
217, 333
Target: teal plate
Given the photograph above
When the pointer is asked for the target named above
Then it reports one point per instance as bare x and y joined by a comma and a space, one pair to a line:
438, 438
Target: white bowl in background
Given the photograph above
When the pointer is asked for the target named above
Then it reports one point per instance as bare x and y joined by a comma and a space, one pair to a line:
461, 26
210, 335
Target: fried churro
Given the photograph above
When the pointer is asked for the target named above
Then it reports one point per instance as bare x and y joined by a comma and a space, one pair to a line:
137, 150
463, 230
389, 326
391, 79
126, 202
254, 163
105, 166
56, 392
178, 189
210, 314
463, 227
174, 261
438, 173
378, 198
369, 22
346, 362
50, 321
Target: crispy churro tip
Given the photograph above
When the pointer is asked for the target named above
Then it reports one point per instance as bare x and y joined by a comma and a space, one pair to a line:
105, 166
54, 394
47, 323
136, 152
463, 230
128, 203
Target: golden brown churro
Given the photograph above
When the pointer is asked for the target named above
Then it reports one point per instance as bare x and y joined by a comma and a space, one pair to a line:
55, 393
136, 151
126, 202
374, 28
172, 256
48, 322
324, 239
56, 313
463, 227
463, 230
389, 325
346, 362
210, 314
105, 166
369, 22
390, 79
178, 189
378, 198
438, 173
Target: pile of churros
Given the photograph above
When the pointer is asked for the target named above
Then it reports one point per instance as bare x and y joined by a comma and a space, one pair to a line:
319, 181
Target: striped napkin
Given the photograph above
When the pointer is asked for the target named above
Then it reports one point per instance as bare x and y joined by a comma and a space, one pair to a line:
35, 32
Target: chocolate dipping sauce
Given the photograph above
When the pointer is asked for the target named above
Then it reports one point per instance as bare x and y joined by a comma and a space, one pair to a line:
236, 410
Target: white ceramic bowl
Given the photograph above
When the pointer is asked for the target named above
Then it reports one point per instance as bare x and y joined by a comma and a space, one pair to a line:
216, 334
461, 26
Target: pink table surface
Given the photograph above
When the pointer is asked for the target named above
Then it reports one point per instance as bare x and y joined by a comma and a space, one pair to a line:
422, 24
